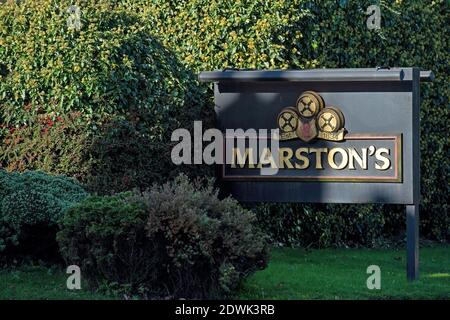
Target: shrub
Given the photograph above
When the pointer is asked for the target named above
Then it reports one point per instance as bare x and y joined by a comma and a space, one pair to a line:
176, 240
124, 157
112, 65
118, 157
244, 34
31, 206
105, 236
57, 145
325, 226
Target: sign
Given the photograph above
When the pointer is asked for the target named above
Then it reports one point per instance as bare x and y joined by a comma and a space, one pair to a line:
345, 135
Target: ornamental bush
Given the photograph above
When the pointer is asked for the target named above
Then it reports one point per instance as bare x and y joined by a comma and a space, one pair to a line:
31, 205
123, 157
59, 146
177, 240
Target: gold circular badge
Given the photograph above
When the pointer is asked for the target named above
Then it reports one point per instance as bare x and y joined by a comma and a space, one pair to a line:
309, 104
330, 119
288, 120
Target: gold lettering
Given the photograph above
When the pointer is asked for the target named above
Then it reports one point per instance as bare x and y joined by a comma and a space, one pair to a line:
344, 160
385, 160
302, 158
266, 158
350, 158
318, 153
285, 158
241, 160
354, 156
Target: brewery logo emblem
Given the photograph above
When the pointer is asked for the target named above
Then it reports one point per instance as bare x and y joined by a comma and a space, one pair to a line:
311, 119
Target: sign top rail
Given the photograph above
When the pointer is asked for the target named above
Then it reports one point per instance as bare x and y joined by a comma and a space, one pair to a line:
316, 75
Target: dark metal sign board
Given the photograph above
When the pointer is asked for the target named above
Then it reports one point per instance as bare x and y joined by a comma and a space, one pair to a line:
380, 109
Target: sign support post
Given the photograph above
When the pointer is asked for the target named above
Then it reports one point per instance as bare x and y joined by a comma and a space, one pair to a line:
412, 241
412, 211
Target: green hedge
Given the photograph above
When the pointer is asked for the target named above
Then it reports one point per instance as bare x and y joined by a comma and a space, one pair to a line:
137, 59
112, 65
63, 92
59, 146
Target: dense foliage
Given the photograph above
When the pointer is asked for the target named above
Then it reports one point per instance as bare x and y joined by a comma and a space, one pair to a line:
59, 146
123, 156
63, 90
177, 240
111, 65
136, 60
31, 205
331, 225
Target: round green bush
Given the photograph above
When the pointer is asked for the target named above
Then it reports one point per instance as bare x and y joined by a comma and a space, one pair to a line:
31, 206
177, 240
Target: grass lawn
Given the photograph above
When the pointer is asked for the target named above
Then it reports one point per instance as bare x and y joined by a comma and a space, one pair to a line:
292, 274
36, 282
341, 274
